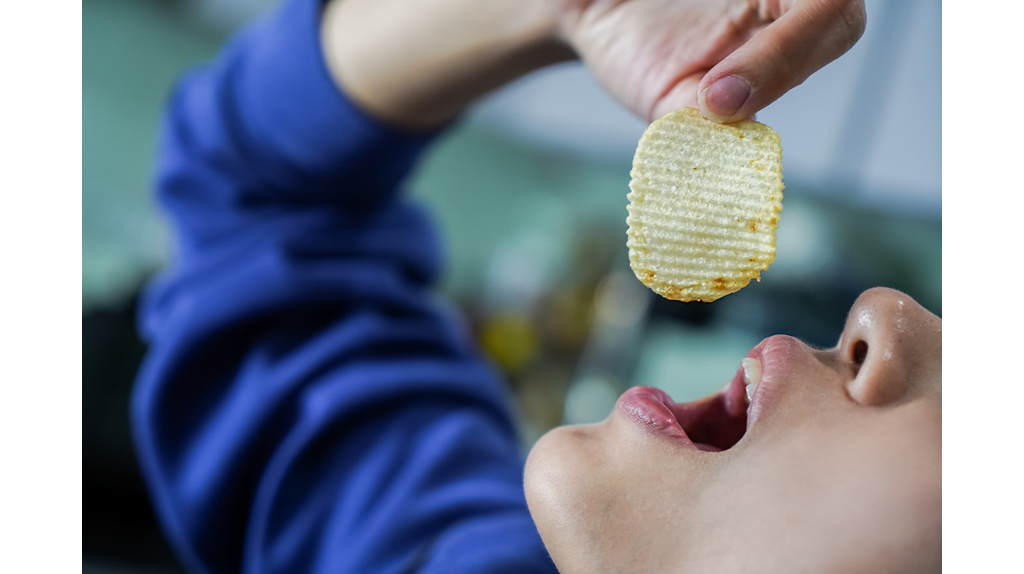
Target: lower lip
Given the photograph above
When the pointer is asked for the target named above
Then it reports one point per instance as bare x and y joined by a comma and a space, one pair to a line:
648, 408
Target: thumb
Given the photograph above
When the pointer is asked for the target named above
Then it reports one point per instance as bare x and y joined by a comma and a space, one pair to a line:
780, 57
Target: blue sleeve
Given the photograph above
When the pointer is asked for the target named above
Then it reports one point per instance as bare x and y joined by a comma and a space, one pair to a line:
306, 405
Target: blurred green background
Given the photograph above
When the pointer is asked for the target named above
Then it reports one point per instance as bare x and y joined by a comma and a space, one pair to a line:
530, 193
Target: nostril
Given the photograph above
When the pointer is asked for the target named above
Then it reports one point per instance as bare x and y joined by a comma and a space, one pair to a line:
860, 352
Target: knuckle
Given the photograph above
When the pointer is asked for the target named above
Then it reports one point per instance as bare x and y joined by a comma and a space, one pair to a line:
853, 18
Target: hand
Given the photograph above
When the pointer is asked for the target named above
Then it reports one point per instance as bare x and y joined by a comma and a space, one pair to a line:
418, 64
729, 58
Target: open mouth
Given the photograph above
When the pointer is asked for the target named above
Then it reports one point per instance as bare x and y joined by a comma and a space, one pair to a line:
713, 424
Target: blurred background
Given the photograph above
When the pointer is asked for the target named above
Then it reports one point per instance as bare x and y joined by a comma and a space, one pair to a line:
530, 191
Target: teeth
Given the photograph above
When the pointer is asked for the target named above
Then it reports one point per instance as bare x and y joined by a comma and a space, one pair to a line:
751, 375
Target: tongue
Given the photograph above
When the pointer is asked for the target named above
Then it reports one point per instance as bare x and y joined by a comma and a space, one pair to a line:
710, 423
706, 447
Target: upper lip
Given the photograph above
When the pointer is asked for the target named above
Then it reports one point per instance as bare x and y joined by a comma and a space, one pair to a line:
773, 353
756, 353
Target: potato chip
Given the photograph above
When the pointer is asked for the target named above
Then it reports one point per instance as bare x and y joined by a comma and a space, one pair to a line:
704, 205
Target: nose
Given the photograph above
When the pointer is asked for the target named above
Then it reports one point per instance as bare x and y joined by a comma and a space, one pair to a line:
893, 346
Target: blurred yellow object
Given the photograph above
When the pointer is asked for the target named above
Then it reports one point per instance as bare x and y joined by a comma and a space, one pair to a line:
511, 340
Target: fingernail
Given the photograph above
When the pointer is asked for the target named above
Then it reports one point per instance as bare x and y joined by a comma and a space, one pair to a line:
726, 96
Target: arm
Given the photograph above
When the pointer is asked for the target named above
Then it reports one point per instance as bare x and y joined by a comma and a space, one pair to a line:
730, 58
452, 52
305, 404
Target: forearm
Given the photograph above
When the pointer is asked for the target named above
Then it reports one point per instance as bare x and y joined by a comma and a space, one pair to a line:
297, 360
418, 64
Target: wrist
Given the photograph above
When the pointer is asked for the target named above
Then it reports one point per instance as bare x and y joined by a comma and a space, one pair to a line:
417, 65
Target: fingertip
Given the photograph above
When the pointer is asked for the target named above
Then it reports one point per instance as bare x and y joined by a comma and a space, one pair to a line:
724, 100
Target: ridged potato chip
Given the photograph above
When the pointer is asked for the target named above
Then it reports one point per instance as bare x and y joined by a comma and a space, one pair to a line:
704, 205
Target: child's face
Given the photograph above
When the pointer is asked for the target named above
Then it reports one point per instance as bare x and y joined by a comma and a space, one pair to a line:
838, 470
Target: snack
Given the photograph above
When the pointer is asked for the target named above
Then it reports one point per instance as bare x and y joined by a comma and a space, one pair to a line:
704, 205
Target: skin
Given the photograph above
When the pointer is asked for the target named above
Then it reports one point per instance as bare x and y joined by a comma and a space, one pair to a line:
839, 470
654, 56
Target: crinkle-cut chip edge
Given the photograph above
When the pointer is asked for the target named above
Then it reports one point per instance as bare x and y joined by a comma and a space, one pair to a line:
704, 291
638, 246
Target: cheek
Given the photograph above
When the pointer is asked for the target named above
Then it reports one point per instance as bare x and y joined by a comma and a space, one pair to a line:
870, 478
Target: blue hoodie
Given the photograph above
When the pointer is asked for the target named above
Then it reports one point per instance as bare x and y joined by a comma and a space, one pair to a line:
307, 405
